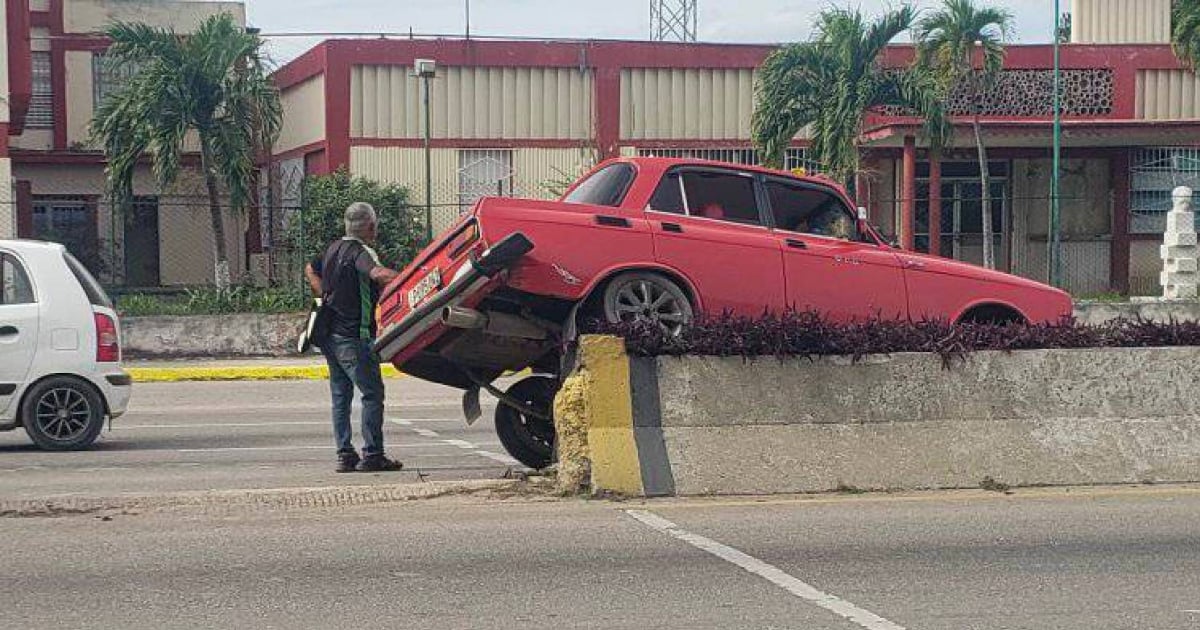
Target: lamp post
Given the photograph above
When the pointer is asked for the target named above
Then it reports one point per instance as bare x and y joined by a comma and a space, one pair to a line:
1054, 255
426, 69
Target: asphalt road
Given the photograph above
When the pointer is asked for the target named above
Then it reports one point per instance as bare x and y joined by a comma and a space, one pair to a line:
1081, 560
201, 436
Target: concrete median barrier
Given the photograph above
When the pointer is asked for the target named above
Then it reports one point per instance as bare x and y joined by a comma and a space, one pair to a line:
706, 425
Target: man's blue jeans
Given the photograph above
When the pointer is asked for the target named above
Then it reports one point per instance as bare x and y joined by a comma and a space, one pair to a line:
352, 363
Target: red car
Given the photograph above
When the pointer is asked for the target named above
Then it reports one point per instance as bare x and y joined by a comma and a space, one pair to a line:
661, 239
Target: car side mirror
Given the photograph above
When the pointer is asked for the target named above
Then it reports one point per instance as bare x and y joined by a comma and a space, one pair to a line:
862, 213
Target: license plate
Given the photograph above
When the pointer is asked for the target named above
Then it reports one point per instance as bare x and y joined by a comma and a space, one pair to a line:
430, 283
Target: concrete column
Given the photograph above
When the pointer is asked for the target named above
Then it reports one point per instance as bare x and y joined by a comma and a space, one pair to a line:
1179, 249
8, 200
908, 205
1119, 267
935, 203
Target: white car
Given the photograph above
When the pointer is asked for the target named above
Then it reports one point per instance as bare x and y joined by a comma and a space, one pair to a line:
60, 348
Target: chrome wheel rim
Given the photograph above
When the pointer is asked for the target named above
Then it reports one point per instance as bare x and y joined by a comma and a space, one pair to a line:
644, 300
63, 414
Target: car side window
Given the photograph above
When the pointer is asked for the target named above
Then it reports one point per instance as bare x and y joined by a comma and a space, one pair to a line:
15, 287
721, 196
606, 187
668, 197
808, 210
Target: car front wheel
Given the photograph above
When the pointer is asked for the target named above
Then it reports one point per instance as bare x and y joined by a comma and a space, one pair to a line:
647, 297
62, 414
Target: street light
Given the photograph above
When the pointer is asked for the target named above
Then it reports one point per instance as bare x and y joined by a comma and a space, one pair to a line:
426, 69
1054, 255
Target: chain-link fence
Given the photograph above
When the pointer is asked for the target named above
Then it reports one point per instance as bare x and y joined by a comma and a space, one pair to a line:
162, 242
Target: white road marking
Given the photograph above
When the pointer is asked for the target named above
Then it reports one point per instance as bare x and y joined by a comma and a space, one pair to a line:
463, 444
776, 576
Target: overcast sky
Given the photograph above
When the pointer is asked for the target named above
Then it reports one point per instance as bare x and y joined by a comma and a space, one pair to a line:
769, 21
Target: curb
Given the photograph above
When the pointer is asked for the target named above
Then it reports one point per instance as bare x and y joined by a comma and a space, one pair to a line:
277, 498
240, 373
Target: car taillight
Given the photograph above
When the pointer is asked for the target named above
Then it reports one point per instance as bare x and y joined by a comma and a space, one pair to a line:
464, 240
108, 343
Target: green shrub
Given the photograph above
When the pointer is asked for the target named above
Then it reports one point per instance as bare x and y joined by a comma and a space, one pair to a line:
210, 301
319, 222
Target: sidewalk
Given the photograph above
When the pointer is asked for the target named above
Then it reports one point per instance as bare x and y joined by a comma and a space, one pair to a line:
255, 369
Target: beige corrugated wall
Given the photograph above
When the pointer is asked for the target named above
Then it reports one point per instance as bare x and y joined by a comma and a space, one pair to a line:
1120, 21
472, 103
534, 169
304, 122
694, 103
1167, 95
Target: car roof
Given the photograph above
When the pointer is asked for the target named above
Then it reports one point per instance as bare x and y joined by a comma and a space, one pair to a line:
670, 162
26, 246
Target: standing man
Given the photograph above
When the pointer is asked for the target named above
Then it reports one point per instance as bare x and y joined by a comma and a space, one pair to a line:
348, 276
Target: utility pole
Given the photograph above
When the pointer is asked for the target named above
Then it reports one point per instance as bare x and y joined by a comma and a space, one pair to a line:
1054, 256
426, 69
468, 19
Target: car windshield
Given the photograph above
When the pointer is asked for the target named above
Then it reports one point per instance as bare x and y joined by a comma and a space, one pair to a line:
94, 291
605, 187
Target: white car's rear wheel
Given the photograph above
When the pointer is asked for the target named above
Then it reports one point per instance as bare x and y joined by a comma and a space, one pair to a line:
62, 414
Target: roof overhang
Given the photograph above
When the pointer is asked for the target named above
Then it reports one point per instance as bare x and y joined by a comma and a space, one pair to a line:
1040, 133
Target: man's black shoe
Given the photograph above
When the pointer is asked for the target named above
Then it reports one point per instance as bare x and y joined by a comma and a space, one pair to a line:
347, 462
379, 463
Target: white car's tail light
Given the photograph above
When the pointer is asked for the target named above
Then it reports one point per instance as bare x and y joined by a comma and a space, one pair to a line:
108, 343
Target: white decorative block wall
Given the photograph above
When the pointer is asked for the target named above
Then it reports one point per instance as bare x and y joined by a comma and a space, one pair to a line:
1179, 250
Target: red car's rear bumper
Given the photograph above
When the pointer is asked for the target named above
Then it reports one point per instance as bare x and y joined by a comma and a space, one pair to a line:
398, 337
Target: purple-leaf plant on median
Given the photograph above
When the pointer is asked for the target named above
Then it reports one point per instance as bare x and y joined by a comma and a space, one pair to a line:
807, 335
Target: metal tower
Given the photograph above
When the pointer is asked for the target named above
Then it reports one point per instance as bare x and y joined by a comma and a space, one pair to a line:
673, 20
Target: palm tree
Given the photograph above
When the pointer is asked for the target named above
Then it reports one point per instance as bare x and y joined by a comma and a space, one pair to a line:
947, 41
1185, 31
829, 83
208, 88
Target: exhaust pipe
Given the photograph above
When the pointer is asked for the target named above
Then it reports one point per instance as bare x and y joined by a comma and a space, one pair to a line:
493, 323
468, 318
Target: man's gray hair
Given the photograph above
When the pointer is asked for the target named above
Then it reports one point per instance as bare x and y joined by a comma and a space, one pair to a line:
360, 216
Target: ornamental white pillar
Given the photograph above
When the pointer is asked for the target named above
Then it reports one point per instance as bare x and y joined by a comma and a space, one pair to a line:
1179, 252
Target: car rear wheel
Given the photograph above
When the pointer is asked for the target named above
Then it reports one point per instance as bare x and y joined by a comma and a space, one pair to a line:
528, 438
647, 297
62, 414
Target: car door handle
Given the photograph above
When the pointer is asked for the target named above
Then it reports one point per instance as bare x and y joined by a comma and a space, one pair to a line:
610, 221
796, 243
914, 264
8, 331
672, 227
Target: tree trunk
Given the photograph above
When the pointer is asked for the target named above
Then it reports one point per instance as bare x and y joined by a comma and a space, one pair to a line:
985, 182
221, 276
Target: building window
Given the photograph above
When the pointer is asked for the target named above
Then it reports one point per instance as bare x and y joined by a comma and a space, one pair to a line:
109, 78
483, 173
41, 102
1155, 174
70, 220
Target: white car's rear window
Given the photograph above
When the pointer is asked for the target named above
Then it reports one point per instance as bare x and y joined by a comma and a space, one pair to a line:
94, 291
